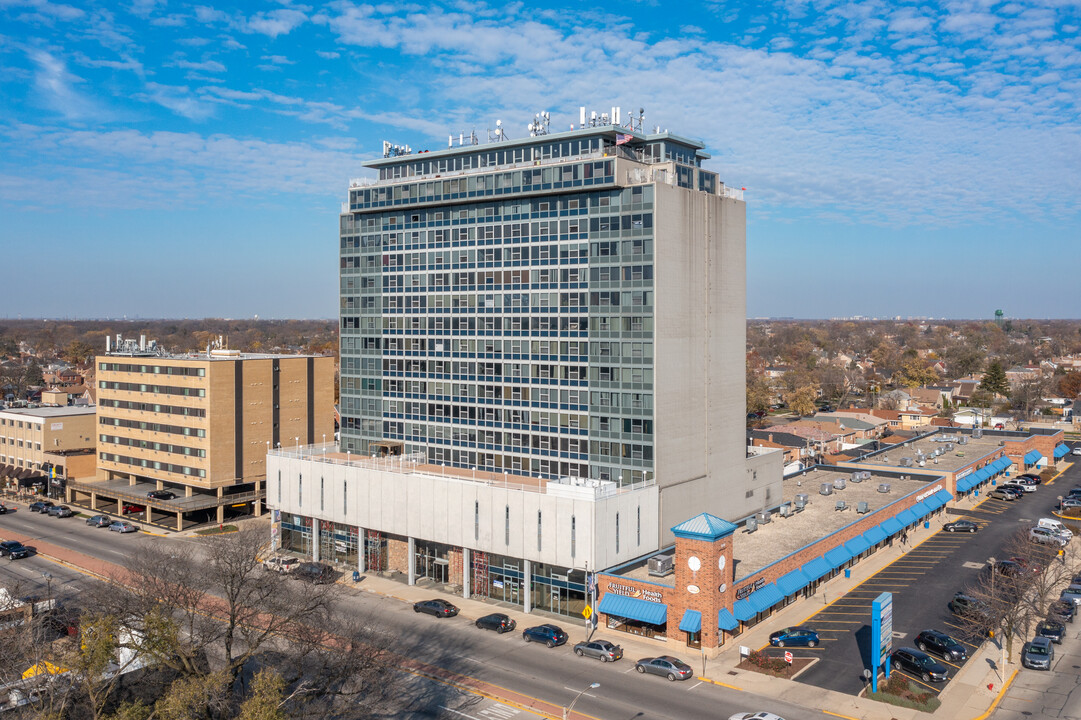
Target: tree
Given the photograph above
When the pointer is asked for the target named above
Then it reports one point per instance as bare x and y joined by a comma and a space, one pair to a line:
994, 380
759, 393
914, 373
1069, 385
77, 352
802, 400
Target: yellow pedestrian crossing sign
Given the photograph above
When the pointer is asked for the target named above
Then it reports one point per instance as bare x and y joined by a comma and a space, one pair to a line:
588, 612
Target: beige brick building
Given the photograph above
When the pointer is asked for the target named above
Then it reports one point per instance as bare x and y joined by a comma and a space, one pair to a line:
200, 426
42, 444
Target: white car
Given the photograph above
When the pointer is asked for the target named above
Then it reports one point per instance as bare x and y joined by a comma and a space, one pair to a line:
756, 716
1024, 487
1076, 451
281, 565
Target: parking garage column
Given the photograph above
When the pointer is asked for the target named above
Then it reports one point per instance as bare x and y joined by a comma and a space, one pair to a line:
315, 539
257, 504
93, 501
466, 590
411, 562
527, 586
179, 520
362, 550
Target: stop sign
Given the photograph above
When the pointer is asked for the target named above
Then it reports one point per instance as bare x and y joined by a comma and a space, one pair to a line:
788, 657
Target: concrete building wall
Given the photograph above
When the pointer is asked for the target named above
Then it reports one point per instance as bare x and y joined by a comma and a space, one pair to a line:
470, 514
25, 437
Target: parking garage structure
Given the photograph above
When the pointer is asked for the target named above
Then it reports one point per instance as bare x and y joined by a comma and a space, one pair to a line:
720, 578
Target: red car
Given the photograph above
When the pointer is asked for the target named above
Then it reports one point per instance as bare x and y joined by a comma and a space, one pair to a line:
130, 508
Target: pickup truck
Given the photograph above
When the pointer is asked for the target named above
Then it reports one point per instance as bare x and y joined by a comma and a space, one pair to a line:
281, 564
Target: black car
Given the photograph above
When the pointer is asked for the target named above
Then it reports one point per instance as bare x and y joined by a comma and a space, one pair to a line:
962, 604
1009, 568
496, 621
1030, 476
1061, 610
314, 573
3, 508
99, 521
161, 495
920, 664
13, 549
550, 635
942, 644
437, 607
961, 526
1053, 630
1018, 492
40, 506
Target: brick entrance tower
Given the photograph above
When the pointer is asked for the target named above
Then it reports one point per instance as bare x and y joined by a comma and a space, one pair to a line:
703, 565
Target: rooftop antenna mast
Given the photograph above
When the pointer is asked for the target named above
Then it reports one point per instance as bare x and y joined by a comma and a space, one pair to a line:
498, 134
540, 124
392, 150
463, 140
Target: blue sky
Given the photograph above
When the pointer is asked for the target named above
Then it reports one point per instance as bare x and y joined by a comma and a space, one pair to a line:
170, 159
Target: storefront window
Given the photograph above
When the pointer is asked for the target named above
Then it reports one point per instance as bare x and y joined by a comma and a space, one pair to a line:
496, 577
338, 543
296, 534
431, 562
375, 549
694, 639
636, 627
558, 590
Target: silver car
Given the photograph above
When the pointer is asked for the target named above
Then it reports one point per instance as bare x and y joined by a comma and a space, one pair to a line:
1038, 654
665, 666
1045, 537
606, 651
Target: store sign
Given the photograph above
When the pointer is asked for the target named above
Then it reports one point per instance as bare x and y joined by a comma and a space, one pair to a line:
936, 488
750, 588
56, 426
631, 591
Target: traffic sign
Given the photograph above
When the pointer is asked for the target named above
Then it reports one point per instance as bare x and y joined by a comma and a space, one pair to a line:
788, 657
587, 612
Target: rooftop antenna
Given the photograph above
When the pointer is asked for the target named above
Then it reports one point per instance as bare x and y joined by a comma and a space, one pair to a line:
392, 150
500, 132
540, 124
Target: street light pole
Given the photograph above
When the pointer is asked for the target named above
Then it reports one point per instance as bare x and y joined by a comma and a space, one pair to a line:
567, 709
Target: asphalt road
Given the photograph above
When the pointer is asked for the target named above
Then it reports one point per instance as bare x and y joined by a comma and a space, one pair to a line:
555, 675
922, 581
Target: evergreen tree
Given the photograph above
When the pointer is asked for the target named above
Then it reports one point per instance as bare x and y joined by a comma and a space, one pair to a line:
994, 380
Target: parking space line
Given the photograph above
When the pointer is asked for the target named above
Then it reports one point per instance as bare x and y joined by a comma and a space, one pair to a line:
932, 688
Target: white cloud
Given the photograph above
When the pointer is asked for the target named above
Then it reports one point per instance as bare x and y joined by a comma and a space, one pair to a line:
178, 99
56, 87
45, 10
327, 55
278, 60
205, 65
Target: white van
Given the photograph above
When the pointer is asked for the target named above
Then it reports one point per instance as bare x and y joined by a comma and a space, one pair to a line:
1055, 526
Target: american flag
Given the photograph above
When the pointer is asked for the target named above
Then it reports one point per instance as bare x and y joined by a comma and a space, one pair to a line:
620, 139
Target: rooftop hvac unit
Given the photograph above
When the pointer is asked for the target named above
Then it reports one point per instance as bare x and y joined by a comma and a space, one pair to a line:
802, 498
963, 440
839, 484
861, 508
883, 487
949, 446
752, 525
977, 433
762, 518
856, 477
785, 510
920, 456
865, 474
826, 489
661, 565
799, 504
906, 462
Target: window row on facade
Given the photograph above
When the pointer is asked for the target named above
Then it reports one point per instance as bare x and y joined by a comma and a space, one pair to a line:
153, 407
183, 370
150, 445
156, 389
156, 465
151, 426
420, 165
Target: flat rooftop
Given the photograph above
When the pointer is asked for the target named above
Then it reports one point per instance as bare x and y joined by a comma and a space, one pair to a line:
953, 455
51, 412
783, 536
214, 356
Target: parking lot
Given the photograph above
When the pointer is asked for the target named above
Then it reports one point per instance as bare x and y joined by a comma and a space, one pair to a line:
923, 580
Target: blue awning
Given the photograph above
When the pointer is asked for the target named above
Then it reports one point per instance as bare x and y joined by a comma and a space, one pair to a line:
981, 475
816, 568
857, 545
965, 483
934, 502
766, 597
875, 535
793, 582
891, 525
1061, 450
691, 622
837, 557
634, 609
920, 509
906, 517
743, 610
726, 620
1033, 456
944, 495
1004, 462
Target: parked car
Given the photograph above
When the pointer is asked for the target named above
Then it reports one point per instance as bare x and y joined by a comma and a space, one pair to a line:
1070, 502
665, 666
1020, 485
437, 607
499, 622
99, 521
61, 511
161, 494
1037, 654
942, 644
1017, 491
962, 604
39, 506
1026, 480
281, 564
1076, 451
3, 508
1008, 568
961, 526
1046, 537
1053, 630
13, 549
602, 649
1028, 564
1062, 610
550, 635
920, 664
1073, 596
794, 636
1030, 476
1001, 493
314, 573
130, 508
122, 526
756, 716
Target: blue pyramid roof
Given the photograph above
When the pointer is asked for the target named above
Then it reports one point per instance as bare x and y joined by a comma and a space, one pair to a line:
703, 527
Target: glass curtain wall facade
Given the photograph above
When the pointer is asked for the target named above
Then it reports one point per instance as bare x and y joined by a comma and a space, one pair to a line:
502, 318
